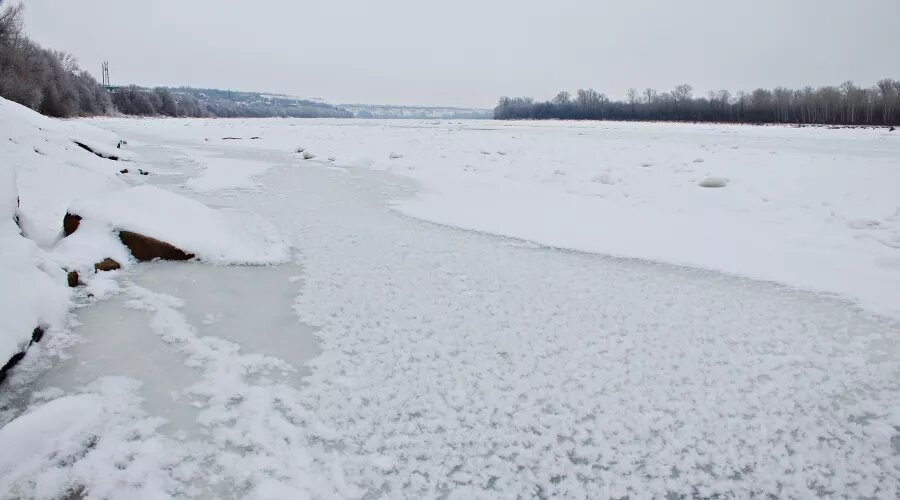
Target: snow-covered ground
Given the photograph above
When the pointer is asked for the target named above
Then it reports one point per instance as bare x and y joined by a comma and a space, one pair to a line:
398, 358
814, 208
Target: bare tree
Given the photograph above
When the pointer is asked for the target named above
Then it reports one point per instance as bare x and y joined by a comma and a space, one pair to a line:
886, 89
563, 98
633, 98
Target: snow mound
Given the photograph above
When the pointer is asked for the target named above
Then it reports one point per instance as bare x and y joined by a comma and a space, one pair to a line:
713, 182
221, 236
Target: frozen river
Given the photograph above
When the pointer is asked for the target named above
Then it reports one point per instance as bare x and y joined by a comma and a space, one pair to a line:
400, 358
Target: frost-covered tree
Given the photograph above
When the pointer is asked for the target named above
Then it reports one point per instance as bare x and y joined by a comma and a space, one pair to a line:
847, 104
45, 80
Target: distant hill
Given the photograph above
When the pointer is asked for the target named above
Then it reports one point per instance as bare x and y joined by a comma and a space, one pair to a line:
194, 102
426, 112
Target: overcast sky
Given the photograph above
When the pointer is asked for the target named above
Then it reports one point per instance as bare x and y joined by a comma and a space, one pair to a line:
470, 52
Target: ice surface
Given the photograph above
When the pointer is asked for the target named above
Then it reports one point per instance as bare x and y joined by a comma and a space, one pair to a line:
456, 364
220, 173
821, 215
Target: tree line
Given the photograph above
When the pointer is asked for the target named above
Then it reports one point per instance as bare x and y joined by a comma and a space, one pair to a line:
845, 104
52, 83
47, 81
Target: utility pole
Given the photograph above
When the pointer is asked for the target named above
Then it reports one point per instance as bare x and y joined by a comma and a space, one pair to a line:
105, 70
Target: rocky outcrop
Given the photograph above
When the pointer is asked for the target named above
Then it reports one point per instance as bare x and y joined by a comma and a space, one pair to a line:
70, 223
145, 248
107, 264
72, 279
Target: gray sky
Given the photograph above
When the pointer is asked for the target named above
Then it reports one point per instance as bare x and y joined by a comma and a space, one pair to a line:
470, 52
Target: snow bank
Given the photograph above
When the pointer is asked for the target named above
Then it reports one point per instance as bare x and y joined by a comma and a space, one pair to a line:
42, 171
29, 297
221, 236
52, 170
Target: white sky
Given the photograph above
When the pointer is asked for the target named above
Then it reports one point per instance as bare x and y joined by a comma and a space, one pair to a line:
471, 52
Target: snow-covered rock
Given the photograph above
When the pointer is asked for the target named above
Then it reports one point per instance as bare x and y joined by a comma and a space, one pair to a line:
222, 236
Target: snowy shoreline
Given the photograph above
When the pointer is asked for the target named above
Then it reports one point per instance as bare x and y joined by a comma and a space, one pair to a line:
58, 173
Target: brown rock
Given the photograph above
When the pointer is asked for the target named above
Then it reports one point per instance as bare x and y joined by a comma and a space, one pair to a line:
145, 248
72, 278
70, 223
107, 264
